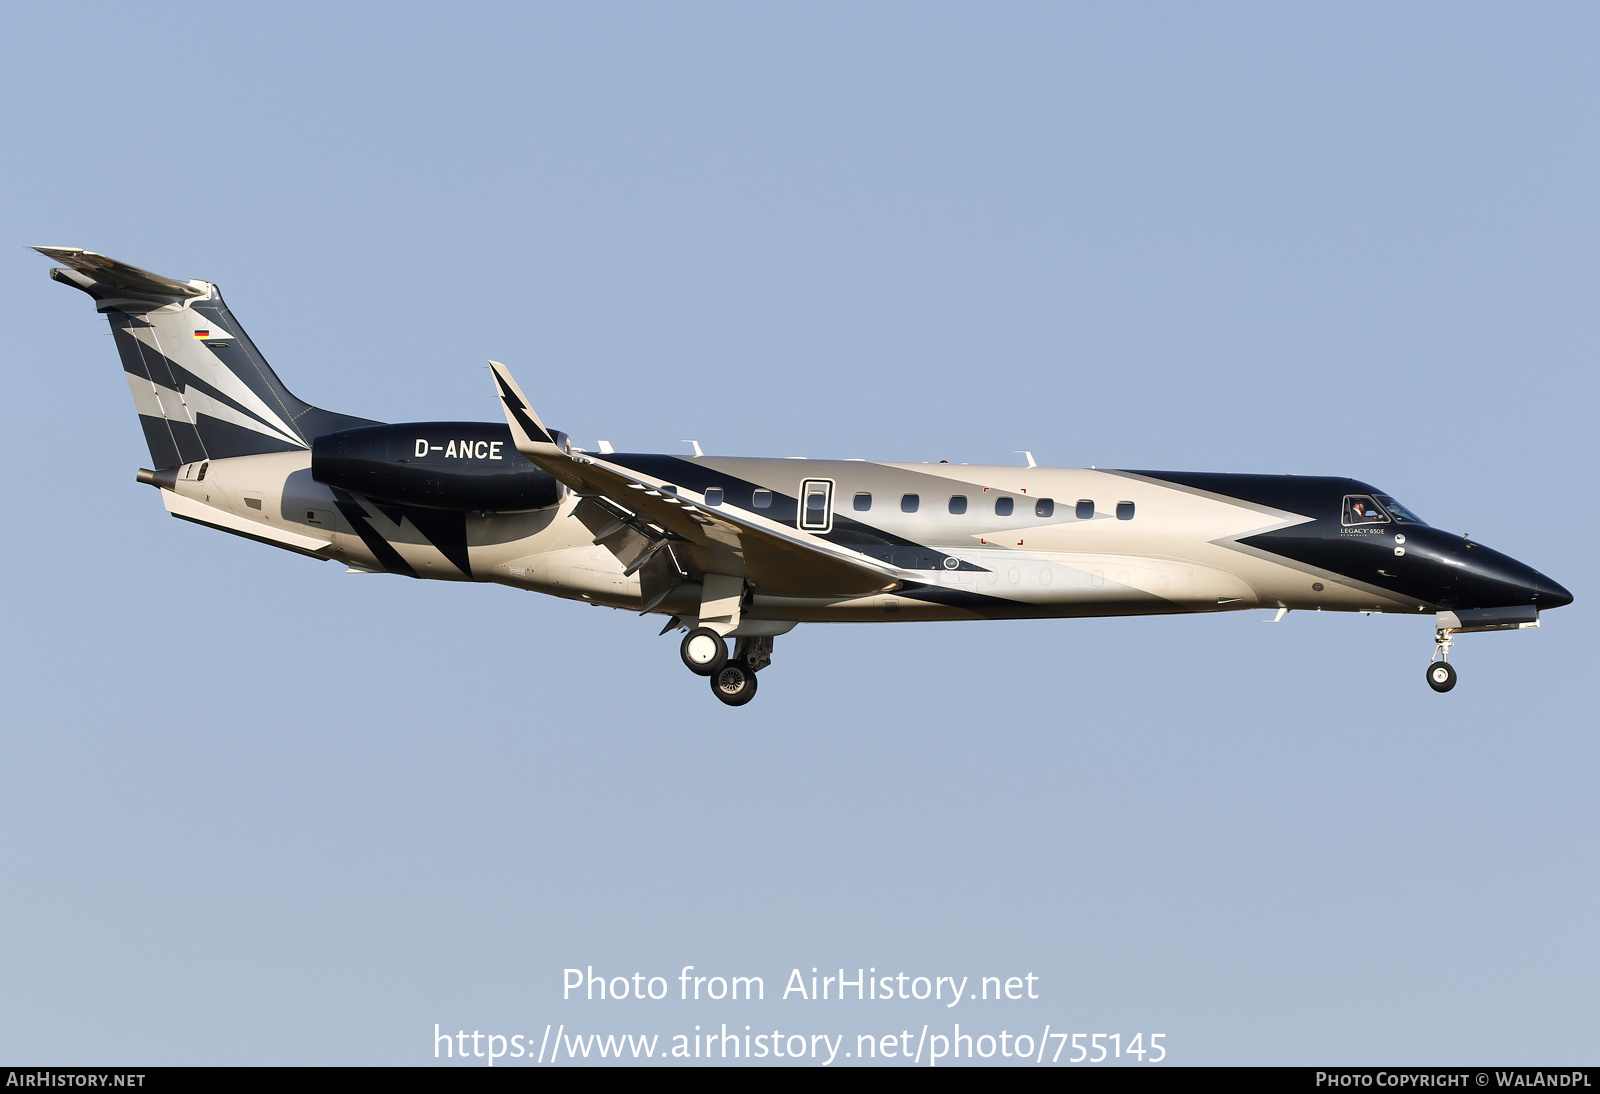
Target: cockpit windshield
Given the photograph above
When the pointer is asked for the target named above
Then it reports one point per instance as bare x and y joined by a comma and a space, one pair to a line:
1399, 512
1361, 509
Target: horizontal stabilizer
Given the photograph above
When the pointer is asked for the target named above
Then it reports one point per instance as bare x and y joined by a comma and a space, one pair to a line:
108, 271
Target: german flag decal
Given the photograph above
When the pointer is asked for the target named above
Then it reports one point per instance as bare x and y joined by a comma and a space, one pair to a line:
202, 334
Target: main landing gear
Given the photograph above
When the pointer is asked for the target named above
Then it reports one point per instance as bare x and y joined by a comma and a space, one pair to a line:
734, 683
733, 679
703, 651
1441, 674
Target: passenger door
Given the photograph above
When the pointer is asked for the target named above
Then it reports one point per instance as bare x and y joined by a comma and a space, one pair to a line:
816, 505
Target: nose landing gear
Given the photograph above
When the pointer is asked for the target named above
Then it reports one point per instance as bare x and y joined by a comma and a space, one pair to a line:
1441, 674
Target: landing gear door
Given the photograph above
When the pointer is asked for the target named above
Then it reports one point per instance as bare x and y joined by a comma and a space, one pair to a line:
816, 505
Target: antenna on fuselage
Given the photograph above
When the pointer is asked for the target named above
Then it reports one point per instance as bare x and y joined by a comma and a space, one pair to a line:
696, 444
1020, 452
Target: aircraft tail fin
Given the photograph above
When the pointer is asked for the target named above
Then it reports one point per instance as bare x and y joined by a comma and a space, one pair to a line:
202, 389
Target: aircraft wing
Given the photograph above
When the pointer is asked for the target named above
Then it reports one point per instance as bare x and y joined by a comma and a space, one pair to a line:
633, 516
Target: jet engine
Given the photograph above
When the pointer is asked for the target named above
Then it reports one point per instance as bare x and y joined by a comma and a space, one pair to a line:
461, 466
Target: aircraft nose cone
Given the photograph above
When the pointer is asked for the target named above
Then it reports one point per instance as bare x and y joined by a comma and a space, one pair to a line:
1547, 594
1490, 579
1533, 586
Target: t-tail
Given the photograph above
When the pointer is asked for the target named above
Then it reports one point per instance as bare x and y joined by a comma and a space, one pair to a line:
202, 390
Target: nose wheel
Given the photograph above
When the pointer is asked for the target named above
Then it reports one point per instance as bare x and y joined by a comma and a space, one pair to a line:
1441, 673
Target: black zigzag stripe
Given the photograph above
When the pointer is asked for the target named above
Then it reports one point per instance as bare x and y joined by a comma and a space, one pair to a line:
381, 549
519, 410
446, 530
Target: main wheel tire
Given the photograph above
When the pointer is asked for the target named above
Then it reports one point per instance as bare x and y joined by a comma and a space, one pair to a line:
703, 651
1441, 676
734, 683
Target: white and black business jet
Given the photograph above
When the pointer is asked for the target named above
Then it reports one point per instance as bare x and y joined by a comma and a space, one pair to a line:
746, 548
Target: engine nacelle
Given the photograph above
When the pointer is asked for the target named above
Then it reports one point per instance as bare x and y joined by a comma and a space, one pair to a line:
463, 466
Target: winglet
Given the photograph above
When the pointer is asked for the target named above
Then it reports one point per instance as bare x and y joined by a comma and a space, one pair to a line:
527, 431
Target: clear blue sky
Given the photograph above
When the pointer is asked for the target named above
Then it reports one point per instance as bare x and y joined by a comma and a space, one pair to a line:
253, 809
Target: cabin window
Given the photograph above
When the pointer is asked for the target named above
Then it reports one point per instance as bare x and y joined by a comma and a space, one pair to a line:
1003, 506
909, 503
1085, 509
713, 495
668, 488
1361, 509
761, 499
863, 502
1044, 507
1124, 512
958, 504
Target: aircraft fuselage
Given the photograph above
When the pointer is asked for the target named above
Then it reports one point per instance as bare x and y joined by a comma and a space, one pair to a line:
968, 542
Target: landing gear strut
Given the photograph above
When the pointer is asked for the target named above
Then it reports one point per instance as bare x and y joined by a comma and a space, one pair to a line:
755, 652
1441, 674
